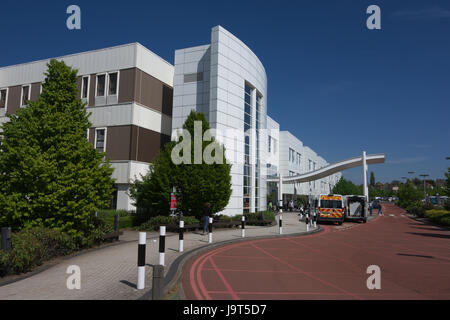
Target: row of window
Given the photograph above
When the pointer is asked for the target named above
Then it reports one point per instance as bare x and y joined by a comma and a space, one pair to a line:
294, 157
106, 84
103, 81
25, 94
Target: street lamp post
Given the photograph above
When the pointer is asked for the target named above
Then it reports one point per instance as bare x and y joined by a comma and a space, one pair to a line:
424, 176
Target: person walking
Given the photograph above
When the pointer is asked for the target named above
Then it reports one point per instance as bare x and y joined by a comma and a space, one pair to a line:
380, 211
206, 216
270, 206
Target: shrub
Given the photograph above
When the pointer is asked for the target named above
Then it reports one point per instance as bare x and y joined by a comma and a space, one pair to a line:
31, 247
441, 217
125, 220
154, 223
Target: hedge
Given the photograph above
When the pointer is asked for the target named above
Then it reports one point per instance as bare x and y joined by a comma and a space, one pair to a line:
125, 218
172, 222
32, 246
439, 216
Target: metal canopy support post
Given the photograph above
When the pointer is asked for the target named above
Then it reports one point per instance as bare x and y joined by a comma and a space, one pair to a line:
365, 187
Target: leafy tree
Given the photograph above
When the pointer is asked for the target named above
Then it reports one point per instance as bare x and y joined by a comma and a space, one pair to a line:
372, 179
50, 175
152, 192
408, 194
346, 187
195, 183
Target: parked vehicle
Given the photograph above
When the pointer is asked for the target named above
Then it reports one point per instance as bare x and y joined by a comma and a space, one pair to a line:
331, 208
355, 208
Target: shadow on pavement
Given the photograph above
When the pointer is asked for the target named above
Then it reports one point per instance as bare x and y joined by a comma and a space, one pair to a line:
414, 255
128, 283
432, 235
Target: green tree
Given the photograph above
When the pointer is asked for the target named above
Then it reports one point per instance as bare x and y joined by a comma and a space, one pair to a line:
346, 187
195, 183
408, 194
151, 192
50, 175
372, 179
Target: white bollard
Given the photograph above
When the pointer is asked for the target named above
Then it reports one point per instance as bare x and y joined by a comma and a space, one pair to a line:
141, 260
162, 244
181, 236
243, 226
210, 229
281, 224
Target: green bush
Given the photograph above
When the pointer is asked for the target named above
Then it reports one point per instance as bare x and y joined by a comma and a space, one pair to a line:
31, 247
153, 223
125, 218
441, 217
257, 217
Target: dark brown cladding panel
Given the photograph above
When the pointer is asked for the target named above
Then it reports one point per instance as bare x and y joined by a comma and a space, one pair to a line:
35, 91
14, 99
152, 93
79, 87
92, 91
127, 80
118, 142
132, 143
92, 135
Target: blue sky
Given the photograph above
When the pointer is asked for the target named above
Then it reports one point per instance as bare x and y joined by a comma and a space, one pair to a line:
338, 86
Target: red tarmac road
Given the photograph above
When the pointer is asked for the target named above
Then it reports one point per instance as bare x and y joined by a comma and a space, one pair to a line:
414, 259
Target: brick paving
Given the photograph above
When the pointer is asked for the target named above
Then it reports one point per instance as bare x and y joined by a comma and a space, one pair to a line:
110, 273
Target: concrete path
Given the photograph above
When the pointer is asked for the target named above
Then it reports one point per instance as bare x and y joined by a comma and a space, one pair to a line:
110, 273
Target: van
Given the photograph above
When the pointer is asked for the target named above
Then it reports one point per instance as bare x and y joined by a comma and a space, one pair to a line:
331, 208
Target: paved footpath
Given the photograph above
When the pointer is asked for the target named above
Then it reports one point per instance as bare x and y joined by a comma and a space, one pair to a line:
413, 257
110, 273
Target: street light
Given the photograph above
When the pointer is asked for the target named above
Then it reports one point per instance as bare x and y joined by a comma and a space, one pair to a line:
424, 175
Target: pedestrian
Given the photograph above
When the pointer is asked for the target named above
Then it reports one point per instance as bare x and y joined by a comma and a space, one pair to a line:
380, 211
270, 206
291, 205
206, 216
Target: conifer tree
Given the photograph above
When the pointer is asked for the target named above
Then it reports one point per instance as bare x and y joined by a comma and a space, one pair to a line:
50, 175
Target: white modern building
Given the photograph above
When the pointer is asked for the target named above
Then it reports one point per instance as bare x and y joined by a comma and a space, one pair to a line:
227, 82
138, 100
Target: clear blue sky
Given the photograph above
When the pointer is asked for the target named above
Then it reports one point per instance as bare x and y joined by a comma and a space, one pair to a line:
338, 86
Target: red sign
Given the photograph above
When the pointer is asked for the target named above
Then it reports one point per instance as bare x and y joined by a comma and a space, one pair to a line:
173, 202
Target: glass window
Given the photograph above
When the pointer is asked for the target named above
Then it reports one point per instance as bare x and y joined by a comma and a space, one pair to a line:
85, 86
248, 90
25, 94
101, 85
2, 98
100, 140
247, 119
112, 84
247, 99
193, 77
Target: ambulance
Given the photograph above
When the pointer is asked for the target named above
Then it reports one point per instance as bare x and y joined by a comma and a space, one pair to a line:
331, 208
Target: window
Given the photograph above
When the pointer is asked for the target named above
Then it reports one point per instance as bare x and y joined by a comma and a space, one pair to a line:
193, 77
291, 155
3, 96
112, 84
100, 139
270, 149
25, 95
298, 158
85, 87
101, 79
